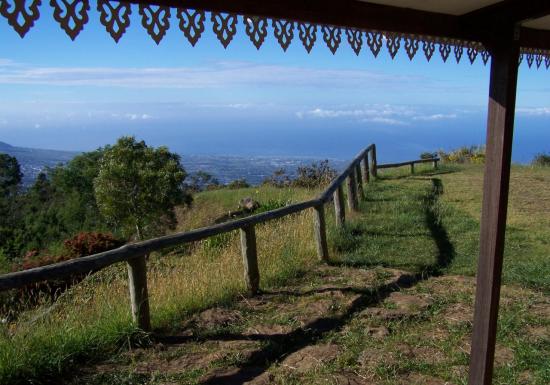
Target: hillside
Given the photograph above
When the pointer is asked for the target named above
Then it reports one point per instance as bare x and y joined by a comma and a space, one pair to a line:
393, 307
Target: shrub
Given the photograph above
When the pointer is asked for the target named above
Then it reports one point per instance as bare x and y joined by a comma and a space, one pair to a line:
541, 160
279, 178
238, 184
318, 174
428, 155
88, 243
472, 154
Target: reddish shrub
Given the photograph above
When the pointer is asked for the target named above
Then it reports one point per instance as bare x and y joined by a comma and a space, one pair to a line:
85, 243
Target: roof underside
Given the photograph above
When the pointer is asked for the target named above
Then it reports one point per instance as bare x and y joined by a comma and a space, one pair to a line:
457, 26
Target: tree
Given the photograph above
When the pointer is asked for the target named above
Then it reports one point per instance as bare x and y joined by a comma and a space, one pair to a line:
10, 174
138, 187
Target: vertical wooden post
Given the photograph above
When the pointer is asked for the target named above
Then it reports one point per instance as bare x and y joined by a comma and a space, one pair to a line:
500, 125
250, 259
435, 164
139, 298
412, 167
339, 207
373, 164
352, 191
320, 232
359, 180
365, 165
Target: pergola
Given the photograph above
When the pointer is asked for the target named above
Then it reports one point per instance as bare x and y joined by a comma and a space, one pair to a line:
504, 31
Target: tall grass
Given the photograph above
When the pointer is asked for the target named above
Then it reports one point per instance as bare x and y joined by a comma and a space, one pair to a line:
92, 320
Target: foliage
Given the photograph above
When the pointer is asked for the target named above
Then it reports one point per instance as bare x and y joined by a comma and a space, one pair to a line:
279, 178
10, 174
428, 155
472, 154
201, 180
138, 187
318, 174
89, 243
238, 184
541, 160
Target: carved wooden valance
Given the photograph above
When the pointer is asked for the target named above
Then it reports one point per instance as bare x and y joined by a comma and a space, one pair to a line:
73, 15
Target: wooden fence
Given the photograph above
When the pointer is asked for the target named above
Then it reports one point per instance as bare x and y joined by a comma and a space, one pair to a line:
358, 172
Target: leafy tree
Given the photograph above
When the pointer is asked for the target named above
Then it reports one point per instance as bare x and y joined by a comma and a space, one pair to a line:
10, 174
201, 180
138, 187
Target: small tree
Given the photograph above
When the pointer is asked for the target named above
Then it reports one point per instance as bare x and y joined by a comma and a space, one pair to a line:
10, 174
138, 187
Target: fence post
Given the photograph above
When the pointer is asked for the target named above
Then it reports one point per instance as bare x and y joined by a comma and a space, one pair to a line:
359, 180
250, 259
339, 207
435, 164
373, 164
139, 298
320, 232
412, 167
365, 165
352, 191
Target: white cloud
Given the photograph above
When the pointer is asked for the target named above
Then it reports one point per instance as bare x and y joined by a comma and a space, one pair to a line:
376, 113
221, 74
534, 111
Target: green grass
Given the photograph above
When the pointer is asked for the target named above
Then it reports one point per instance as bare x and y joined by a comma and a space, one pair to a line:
423, 223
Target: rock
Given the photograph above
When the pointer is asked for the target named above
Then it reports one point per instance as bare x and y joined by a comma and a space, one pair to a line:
249, 204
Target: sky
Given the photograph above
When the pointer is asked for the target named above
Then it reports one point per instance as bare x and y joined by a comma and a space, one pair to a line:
60, 94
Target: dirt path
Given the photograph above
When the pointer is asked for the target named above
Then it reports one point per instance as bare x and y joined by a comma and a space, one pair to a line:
339, 325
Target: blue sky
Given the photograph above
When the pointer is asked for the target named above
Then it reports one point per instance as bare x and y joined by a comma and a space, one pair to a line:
55, 93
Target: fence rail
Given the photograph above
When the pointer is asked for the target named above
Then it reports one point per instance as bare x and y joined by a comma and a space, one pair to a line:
360, 171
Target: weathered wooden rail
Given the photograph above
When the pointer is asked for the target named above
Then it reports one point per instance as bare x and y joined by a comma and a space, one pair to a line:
359, 171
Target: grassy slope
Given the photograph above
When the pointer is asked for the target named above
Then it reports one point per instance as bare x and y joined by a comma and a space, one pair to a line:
426, 223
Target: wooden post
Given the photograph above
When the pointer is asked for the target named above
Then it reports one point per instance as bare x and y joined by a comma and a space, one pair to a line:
412, 167
139, 298
250, 259
352, 191
359, 180
435, 164
500, 125
373, 164
365, 165
339, 207
320, 232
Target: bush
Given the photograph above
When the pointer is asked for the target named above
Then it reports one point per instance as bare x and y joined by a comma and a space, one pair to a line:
428, 155
88, 243
238, 184
541, 160
472, 154
318, 174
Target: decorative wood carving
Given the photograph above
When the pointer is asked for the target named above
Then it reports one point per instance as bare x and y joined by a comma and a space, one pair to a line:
156, 20
458, 50
21, 14
225, 27
411, 46
374, 41
256, 29
284, 32
429, 48
71, 15
332, 37
308, 35
115, 17
191, 23
355, 40
444, 50
393, 42
472, 54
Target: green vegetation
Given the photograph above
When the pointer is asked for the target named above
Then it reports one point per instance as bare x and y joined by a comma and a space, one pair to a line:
472, 154
426, 224
541, 160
